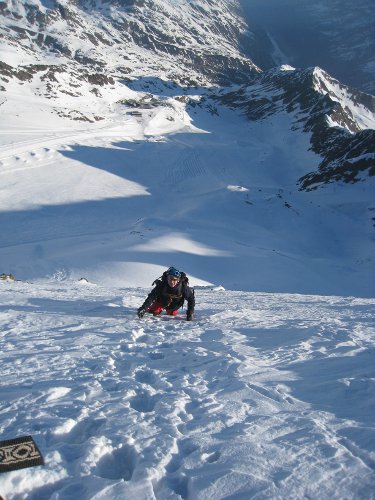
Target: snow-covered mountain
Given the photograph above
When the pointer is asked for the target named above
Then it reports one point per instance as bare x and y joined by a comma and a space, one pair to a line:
74, 48
339, 119
187, 42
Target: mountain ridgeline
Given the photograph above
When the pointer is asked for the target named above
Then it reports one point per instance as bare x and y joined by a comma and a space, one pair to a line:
333, 114
72, 47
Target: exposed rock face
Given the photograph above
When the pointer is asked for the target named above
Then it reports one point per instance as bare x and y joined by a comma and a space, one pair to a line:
334, 114
201, 42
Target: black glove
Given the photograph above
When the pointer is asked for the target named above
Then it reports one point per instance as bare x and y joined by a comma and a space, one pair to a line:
189, 316
141, 312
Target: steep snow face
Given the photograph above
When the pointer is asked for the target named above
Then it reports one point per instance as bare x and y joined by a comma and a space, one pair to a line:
338, 35
262, 396
201, 41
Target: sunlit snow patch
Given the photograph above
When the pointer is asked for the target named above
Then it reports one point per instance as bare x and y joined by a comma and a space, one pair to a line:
179, 242
287, 67
237, 188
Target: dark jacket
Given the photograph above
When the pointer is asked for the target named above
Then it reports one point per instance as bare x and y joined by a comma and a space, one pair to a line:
171, 298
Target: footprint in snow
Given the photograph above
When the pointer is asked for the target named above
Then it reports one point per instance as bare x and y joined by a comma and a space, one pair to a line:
146, 377
111, 384
210, 458
119, 464
130, 348
155, 355
180, 485
143, 402
82, 431
185, 448
211, 335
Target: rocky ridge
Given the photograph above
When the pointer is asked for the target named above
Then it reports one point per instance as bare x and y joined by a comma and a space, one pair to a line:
201, 42
339, 119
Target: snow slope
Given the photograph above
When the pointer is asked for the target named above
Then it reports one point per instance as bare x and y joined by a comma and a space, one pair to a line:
218, 198
269, 392
262, 396
265, 394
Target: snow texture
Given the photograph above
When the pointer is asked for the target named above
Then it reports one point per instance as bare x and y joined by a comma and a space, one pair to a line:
270, 391
262, 396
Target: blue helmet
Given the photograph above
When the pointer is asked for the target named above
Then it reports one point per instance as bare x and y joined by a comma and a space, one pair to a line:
172, 271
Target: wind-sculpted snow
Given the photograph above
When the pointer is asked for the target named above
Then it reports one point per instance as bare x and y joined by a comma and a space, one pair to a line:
262, 396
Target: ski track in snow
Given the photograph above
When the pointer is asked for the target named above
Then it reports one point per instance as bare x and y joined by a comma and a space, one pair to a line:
262, 396
44, 142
